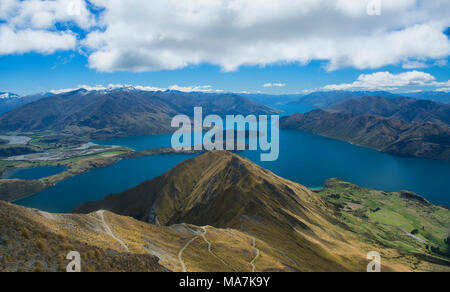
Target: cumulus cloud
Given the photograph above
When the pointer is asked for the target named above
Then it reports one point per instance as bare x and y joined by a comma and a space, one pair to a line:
142, 35
171, 34
274, 85
438, 84
384, 80
30, 25
414, 65
44, 14
446, 90
28, 40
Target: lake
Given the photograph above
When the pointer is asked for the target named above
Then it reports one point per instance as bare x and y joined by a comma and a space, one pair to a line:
304, 158
98, 183
310, 160
290, 109
33, 173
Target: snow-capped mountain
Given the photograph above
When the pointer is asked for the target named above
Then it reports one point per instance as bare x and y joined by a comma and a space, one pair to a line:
8, 95
10, 101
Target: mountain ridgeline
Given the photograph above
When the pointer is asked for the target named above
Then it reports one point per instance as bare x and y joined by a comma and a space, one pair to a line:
107, 114
10, 101
216, 188
293, 228
220, 212
223, 190
399, 126
267, 99
422, 140
327, 99
404, 109
438, 96
8, 95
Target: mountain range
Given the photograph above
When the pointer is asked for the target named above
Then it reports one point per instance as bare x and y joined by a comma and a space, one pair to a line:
84, 115
221, 212
422, 140
10, 101
268, 99
437, 96
401, 108
327, 99
8, 95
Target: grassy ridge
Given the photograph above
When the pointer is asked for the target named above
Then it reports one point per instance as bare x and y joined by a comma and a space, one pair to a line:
31, 240
401, 221
304, 231
221, 212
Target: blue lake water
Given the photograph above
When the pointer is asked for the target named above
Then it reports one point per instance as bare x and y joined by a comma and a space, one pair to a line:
140, 142
290, 109
310, 160
34, 173
304, 158
99, 183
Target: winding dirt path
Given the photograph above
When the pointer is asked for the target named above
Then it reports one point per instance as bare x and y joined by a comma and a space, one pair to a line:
109, 231
252, 263
180, 253
211, 252
285, 255
257, 251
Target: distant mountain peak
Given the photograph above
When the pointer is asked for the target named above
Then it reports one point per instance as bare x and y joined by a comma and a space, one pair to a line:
328, 99
120, 112
401, 108
108, 89
8, 95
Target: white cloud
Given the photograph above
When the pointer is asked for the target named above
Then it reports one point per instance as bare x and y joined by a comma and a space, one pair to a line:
41, 41
274, 85
108, 87
144, 35
87, 87
30, 25
414, 91
170, 34
414, 65
439, 84
44, 14
447, 90
385, 80
149, 88
202, 88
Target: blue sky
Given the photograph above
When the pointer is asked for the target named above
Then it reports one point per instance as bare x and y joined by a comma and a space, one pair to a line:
231, 47
31, 73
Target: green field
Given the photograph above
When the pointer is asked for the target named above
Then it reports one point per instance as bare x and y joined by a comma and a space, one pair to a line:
409, 224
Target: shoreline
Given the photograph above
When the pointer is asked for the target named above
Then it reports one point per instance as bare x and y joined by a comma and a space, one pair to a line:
77, 168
